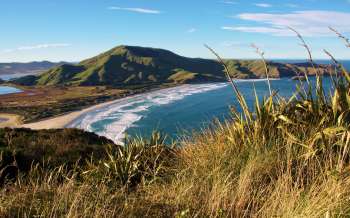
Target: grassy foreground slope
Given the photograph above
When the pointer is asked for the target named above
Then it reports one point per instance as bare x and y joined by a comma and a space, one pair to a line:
129, 65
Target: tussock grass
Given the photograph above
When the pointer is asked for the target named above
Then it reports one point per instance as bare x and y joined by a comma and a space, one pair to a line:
287, 158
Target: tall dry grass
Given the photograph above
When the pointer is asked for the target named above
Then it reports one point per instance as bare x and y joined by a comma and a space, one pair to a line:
287, 158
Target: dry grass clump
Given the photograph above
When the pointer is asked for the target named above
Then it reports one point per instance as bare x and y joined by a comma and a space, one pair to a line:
287, 158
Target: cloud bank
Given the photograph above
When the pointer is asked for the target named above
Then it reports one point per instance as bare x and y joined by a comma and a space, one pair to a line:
308, 23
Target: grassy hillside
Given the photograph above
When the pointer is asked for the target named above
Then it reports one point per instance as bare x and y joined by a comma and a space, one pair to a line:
252, 69
129, 65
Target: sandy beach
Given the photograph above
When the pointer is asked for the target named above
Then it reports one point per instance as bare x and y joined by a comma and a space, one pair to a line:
64, 120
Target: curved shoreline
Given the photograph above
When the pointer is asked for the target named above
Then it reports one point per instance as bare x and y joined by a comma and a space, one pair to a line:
64, 121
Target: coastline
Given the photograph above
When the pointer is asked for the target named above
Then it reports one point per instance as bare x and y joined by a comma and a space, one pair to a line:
63, 121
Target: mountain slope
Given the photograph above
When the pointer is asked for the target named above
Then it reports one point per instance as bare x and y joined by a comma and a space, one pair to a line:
130, 65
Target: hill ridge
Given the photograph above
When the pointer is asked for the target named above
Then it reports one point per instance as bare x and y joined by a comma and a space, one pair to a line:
134, 65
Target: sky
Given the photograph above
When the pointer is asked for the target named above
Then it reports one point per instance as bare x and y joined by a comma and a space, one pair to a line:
73, 30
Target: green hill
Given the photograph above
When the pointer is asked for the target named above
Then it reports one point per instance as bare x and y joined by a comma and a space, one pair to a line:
130, 65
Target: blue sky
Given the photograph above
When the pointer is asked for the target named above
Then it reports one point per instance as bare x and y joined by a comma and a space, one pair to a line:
72, 30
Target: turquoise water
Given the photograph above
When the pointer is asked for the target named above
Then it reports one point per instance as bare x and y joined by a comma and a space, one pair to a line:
199, 110
188, 107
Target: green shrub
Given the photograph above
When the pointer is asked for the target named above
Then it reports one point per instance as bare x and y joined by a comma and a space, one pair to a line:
24, 148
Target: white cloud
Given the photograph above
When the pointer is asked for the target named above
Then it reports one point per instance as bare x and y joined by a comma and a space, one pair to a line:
137, 10
274, 31
308, 23
263, 5
34, 47
192, 30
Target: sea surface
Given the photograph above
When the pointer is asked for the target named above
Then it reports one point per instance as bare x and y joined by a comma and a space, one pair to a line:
180, 110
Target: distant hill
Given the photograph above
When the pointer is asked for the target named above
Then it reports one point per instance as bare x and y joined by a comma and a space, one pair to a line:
26, 68
130, 65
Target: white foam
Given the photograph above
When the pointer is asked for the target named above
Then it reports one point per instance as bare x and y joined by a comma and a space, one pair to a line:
255, 80
124, 113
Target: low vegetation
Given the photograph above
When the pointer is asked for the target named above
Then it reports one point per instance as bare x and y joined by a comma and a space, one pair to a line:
20, 149
287, 158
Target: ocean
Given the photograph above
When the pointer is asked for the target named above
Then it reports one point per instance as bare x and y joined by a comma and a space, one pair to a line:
180, 110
